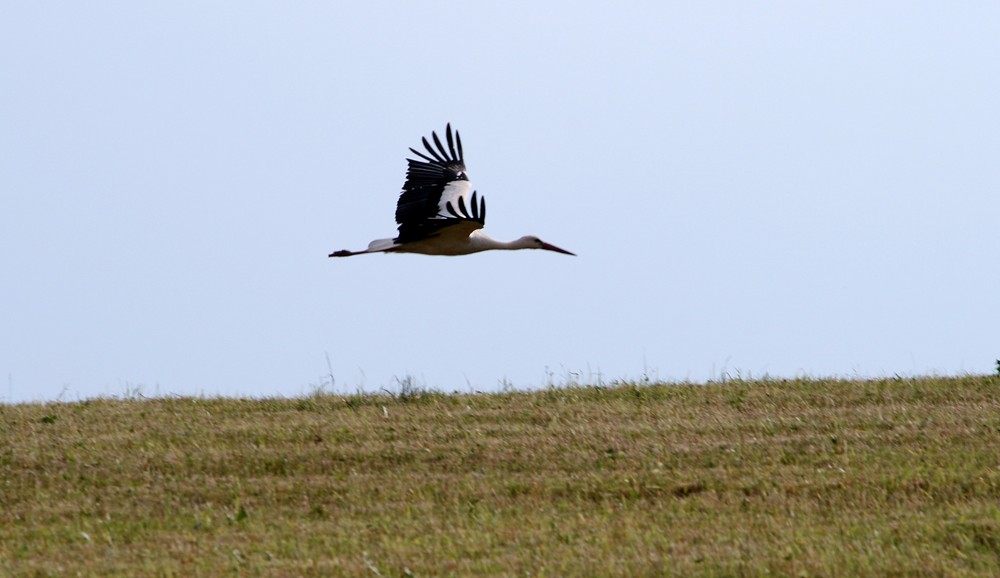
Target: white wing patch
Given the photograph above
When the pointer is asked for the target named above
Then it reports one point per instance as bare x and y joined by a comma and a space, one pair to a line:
452, 192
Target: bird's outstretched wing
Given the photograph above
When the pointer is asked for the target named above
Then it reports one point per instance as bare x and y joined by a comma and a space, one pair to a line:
437, 192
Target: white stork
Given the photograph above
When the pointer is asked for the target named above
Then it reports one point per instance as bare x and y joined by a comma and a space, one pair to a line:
438, 212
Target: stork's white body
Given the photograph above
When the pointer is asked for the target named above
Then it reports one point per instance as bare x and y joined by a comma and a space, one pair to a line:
450, 243
438, 212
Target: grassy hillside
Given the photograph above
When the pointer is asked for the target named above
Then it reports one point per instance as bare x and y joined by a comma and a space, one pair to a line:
810, 477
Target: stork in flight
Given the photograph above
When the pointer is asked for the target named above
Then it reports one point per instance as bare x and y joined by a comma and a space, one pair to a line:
438, 212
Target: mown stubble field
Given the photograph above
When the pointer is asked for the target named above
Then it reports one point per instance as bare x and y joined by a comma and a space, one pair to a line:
798, 477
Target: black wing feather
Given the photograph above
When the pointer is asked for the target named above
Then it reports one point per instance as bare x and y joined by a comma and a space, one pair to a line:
437, 141
451, 144
417, 209
433, 152
422, 155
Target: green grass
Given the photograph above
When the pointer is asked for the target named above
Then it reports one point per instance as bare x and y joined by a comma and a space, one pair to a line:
799, 477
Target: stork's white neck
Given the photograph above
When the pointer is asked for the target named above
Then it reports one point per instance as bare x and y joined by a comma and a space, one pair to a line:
483, 242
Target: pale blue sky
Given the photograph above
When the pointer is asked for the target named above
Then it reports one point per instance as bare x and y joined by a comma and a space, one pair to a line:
781, 188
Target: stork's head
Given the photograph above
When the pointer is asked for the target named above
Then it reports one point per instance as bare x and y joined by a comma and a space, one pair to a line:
532, 242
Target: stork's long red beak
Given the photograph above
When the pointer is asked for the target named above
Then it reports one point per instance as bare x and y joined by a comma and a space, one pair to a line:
548, 247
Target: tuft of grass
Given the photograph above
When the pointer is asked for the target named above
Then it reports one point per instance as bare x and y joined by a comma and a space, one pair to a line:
787, 477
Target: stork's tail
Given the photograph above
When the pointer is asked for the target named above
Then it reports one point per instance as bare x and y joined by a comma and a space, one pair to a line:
376, 246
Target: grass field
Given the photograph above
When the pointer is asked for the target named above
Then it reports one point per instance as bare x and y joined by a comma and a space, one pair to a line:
799, 477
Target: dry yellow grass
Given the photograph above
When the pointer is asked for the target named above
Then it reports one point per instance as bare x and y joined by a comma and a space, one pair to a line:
810, 477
